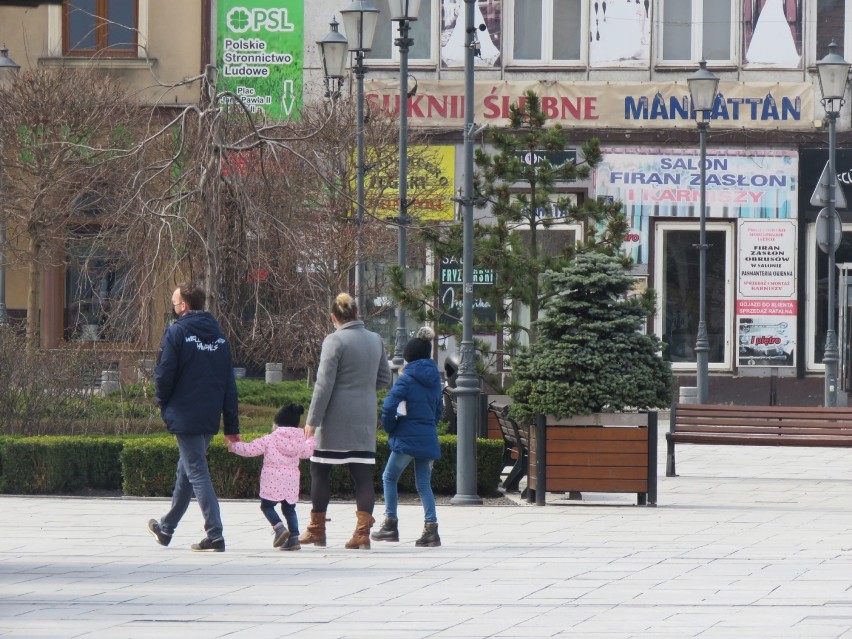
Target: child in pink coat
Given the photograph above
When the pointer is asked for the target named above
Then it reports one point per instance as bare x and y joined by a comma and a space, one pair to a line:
279, 479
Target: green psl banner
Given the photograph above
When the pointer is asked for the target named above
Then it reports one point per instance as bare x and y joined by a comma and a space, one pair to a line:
259, 54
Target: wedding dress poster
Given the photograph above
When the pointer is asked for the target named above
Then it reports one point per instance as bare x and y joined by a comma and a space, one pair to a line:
620, 32
486, 12
773, 32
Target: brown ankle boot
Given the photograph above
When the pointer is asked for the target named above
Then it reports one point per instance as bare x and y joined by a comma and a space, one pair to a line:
315, 533
361, 537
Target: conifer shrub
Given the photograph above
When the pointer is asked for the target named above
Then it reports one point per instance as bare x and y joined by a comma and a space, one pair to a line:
591, 355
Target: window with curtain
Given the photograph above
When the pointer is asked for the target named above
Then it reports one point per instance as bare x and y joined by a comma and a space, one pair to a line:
106, 28
772, 33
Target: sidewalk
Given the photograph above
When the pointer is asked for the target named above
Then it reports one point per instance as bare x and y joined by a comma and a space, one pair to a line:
747, 542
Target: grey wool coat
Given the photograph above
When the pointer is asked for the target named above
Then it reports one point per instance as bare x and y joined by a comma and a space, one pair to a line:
353, 366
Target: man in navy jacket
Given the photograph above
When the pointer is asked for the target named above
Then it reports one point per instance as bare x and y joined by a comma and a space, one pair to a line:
195, 387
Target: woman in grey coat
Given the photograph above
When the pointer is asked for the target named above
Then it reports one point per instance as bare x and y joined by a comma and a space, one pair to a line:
343, 417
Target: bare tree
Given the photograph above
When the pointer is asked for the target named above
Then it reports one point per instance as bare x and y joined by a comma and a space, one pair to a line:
136, 199
65, 133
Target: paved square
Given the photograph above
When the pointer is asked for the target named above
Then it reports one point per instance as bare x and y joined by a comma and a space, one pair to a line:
747, 542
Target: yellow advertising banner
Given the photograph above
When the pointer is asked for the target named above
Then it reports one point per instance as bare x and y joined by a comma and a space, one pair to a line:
624, 105
431, 185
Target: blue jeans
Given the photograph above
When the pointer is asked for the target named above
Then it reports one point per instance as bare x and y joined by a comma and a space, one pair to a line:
193, 476
267, 506
398, 462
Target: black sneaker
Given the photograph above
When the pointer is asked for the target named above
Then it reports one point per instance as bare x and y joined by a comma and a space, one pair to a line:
209, 545
154, 528
281, 537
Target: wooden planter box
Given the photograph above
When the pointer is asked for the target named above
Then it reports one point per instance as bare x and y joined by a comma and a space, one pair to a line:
601, 453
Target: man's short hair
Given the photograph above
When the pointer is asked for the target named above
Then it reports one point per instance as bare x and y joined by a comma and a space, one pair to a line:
193, 295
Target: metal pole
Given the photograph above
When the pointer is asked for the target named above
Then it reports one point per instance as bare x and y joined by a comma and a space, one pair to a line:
360, 70
467, 384
702, 343
403, 42
831, 355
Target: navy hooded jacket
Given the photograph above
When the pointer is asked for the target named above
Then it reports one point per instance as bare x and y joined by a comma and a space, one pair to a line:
194, 378
416, 432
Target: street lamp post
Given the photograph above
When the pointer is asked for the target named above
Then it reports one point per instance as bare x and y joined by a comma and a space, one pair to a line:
467, 384
405, 12
359, 24
703, 86
833, 73
8, 68
333, 50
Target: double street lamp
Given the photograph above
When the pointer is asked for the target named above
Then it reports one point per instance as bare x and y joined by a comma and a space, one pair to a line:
8, 68
405, 12
703, 86
833, 73
359, 24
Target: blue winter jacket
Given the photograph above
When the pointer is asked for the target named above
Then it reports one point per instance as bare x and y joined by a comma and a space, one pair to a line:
416, 432
194, 378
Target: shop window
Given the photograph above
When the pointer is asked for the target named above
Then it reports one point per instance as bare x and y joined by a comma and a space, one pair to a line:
97, 295
551, 242
677, 283
696, 29
423, 31
548, 31
100, 28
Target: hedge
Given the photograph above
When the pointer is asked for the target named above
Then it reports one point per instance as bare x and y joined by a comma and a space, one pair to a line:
60, 464
146, 466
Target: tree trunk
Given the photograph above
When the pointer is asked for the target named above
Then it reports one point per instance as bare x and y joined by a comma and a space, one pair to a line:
533, 334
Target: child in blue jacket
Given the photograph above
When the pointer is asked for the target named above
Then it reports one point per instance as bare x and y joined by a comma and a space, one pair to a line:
410, 417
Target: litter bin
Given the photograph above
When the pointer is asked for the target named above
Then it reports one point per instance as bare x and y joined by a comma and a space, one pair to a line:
688, 395
274, 373
110, 382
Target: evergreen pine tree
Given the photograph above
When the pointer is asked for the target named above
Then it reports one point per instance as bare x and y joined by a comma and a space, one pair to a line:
521, 184
590, 356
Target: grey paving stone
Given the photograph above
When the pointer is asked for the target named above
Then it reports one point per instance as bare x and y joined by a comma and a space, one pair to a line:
747, 542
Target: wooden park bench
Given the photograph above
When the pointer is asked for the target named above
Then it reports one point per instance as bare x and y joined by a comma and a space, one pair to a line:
517, 446
756, 426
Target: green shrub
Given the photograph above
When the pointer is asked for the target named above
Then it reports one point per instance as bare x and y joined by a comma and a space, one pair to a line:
61, 464
149, 468
258, 392
145, 466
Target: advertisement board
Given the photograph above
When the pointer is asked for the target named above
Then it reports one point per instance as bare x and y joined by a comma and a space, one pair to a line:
658, 182
452, 292
766, 293
259, 54
431, 184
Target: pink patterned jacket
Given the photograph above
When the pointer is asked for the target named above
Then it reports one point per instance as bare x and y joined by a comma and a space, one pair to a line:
281, 449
